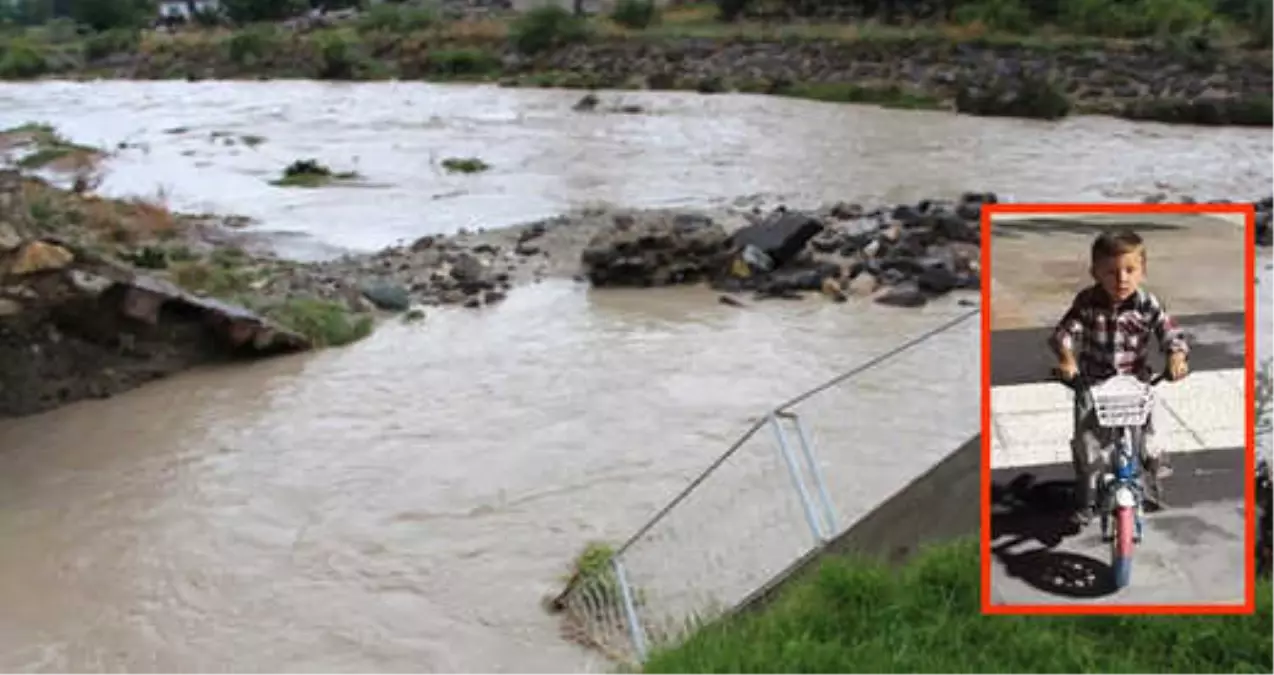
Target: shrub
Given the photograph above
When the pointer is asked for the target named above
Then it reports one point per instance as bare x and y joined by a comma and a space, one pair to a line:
339, 58
111, 42
1027, 95
1005, 15
21, 60
249, 46
464, 61
546, 28
729, 10
397, 18
635, 14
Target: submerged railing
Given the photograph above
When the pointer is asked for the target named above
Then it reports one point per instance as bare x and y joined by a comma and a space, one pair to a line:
802, 473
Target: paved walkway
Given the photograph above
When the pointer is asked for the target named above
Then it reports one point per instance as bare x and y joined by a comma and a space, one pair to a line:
1192, 552
1032, 423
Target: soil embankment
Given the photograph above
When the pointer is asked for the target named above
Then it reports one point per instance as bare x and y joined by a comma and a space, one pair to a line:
1187, 80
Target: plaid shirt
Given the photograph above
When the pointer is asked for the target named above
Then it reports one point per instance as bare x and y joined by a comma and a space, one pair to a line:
1108, 340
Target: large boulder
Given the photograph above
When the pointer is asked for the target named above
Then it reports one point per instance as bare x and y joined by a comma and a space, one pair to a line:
781, 236
656, 249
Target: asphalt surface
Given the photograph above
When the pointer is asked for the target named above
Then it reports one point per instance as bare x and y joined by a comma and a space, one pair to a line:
1021, 356
1193, 552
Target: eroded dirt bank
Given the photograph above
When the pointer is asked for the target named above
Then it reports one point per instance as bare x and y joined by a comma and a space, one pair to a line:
1048, 78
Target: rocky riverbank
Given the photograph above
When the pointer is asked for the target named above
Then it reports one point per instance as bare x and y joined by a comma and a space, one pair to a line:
1174, 81
98, 295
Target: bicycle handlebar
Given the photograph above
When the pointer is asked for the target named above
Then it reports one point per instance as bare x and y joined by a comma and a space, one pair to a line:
1075, 383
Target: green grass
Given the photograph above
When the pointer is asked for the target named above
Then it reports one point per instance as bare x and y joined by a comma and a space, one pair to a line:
308, 173
856, 617
325, 323
464, 165
46, 144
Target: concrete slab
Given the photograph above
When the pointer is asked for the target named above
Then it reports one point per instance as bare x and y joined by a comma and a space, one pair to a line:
1191, 553
1039, 261
1033, 422
1194, 551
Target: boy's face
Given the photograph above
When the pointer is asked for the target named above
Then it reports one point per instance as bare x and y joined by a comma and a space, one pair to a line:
1120, 276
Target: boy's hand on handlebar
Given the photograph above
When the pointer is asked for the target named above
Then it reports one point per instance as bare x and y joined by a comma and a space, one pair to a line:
1177, 366
1067, 371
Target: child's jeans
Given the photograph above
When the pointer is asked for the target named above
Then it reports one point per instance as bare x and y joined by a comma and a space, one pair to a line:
1090, 461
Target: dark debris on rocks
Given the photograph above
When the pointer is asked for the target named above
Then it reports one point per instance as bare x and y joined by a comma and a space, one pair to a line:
900, 256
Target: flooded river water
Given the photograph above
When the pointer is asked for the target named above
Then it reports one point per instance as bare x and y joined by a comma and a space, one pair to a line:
403, 504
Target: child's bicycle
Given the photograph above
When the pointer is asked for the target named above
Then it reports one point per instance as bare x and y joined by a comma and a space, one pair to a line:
1122, 404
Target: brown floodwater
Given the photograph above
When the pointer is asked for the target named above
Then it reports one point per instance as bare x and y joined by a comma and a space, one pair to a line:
404, 504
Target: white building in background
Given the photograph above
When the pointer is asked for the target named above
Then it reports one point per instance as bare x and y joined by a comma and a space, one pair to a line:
172, 9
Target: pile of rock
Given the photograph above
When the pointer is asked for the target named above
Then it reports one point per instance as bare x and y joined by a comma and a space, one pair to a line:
433, 270
900, 256
656, 249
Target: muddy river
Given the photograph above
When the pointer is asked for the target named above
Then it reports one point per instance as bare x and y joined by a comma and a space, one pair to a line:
405, 503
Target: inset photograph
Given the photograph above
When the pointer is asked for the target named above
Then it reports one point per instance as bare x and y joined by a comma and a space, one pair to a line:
1117, 424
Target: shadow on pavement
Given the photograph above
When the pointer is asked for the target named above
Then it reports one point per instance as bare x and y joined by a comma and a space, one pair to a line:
1036, 515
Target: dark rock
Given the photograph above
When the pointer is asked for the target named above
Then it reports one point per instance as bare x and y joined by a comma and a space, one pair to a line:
391, 297
938, 279
951, 226
492, 297
535, 231
470, 274
730, 300
828, 241
905, 215
845, 211
797, 279
659, 249
781, 236
903, 295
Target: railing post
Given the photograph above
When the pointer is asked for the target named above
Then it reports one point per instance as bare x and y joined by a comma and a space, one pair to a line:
797, 481
807, 448
630, 610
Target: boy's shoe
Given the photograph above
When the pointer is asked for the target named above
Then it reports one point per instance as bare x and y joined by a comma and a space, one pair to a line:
1156, 471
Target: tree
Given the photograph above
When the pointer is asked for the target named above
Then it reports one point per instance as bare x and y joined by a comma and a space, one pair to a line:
251, 11
104, 15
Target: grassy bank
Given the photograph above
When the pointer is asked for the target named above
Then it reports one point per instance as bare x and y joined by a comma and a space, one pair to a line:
144, 234
852, 617
691, 48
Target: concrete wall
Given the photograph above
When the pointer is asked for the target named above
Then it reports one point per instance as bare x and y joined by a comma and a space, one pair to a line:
940, 505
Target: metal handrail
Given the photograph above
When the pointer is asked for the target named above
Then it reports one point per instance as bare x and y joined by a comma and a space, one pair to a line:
782, 410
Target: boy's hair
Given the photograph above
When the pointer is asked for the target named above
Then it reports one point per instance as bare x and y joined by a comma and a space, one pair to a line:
1114, 244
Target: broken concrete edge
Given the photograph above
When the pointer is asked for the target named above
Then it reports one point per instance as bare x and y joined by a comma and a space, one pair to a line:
144, 296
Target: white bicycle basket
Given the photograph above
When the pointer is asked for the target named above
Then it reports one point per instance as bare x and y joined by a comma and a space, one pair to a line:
1122, 401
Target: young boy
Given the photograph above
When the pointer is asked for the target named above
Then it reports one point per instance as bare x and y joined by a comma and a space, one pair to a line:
1107, 332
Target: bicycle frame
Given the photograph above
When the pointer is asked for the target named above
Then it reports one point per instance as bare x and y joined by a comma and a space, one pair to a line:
1122, 406
1122, 486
